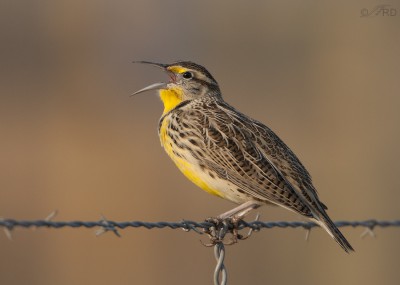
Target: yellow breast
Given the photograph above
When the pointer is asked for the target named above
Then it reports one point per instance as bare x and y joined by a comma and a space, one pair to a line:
190, 169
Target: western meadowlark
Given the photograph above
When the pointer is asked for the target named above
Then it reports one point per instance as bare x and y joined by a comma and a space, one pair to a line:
228, 154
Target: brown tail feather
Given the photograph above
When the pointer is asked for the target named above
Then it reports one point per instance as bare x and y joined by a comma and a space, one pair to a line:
325, 222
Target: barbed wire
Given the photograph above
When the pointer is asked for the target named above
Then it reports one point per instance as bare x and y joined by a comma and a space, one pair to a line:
186, 224
214, 228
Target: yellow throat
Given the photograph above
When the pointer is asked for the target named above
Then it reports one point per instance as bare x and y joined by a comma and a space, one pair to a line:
170, 98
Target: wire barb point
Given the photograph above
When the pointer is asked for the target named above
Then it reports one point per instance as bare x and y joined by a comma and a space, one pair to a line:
308, 229
7, 230
368, 232
106, 226
188, 226
51, 216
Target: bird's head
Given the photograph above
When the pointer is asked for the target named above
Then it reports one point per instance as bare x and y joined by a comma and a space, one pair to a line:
188, 81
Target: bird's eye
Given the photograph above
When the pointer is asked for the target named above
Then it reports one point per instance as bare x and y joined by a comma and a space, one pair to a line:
187, 75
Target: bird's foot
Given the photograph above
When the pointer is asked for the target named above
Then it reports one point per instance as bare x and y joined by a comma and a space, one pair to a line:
220, 227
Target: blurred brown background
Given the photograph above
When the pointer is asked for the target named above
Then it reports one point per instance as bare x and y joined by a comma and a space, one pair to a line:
325, 79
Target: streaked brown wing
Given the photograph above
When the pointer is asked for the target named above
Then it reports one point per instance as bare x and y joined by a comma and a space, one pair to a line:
252, 157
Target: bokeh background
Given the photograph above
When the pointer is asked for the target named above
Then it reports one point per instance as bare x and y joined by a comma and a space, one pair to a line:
324, 78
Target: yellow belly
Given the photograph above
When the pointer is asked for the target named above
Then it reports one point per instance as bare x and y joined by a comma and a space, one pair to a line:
190, 170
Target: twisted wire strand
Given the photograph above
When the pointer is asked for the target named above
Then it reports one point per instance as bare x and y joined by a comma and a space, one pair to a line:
186, 224
220, 270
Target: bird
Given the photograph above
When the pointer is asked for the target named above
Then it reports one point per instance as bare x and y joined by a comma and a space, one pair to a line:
227, 153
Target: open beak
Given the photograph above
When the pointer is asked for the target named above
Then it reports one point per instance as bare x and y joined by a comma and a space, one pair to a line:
155, 86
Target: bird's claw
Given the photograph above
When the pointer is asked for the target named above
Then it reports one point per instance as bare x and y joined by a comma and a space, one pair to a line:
221, 227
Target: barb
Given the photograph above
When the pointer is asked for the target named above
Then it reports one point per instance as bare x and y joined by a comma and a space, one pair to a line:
106, 227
